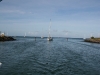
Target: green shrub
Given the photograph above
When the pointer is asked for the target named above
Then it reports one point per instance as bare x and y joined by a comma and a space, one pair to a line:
92, 37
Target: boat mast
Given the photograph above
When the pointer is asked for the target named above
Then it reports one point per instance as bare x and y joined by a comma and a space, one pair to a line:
49, 27
25, 35
42, 34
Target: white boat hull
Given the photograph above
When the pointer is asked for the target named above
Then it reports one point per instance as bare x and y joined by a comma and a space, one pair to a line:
0, 63
50, 39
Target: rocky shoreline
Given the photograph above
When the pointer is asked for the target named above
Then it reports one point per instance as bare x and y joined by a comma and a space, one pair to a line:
93, 40
6, 38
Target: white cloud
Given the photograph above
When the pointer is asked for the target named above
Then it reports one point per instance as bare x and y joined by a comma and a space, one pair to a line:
12, 11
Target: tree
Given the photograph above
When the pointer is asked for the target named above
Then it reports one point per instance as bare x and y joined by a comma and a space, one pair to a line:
92, 37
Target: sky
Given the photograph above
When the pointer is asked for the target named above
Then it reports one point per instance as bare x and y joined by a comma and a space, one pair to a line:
69, 18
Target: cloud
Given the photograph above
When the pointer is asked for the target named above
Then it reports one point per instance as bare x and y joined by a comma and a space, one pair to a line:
11, 11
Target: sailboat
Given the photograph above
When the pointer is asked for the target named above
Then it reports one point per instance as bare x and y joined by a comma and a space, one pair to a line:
84, 37
25, 35
42, 35
50, 38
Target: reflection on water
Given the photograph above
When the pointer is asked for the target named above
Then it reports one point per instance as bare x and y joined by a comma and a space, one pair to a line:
58, 57
0, 63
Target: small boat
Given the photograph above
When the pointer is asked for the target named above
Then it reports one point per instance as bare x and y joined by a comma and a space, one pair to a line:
25, 35
42, 37
50, 39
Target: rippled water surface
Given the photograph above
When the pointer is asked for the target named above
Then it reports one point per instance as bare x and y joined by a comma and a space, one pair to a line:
25, 56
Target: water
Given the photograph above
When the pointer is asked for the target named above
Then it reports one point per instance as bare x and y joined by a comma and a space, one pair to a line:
25, 56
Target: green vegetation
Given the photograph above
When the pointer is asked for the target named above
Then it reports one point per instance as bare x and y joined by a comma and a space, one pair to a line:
92, 37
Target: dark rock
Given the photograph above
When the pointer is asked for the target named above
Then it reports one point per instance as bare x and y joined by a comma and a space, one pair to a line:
6, 38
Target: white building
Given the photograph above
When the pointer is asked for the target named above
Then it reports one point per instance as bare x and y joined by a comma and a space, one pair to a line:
2, 34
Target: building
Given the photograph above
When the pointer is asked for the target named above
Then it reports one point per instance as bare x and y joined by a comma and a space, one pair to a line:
2, 34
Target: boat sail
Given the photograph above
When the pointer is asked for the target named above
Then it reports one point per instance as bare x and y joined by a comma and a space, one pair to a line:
50, 38
42, 35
